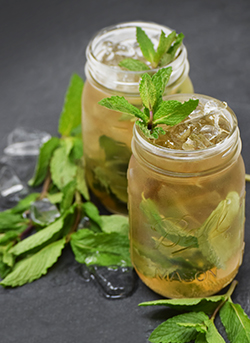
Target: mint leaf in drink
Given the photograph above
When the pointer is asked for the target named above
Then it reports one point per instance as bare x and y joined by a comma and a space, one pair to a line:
42, 166
133, 65
170, 54
115, 223
172, 331
71, 113
172, 112
102, 249
147, 91
164, 45
120, 104
146, 46
160, 80
236, 322
34, 266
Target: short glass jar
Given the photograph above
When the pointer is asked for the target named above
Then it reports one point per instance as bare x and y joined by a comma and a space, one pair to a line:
186, 211
106, 133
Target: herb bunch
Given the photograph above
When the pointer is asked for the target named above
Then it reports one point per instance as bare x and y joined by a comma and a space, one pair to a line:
28, 247
164, 54
156, 111
197, 323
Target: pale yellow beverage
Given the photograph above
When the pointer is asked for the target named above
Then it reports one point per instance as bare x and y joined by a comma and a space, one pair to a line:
107, 134
186, 203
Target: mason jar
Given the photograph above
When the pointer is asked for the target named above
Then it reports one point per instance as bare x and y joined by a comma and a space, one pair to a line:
107, 134
186, 203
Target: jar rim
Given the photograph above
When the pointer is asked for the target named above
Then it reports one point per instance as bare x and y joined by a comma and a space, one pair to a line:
179, 64
188, 155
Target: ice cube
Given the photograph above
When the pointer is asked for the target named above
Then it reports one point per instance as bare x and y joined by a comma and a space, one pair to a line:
23, 166
25, 142
43, 212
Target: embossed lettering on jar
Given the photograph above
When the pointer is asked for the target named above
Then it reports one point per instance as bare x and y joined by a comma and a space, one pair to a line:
106, 133
186, 203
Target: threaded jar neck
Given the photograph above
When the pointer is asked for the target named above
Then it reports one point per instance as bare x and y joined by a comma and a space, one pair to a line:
115, 78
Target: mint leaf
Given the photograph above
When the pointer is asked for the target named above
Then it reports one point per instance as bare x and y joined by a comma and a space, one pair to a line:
81, 184
115, 223
164, 45
68, 192
147, 47
38, 239
173, 112
102, 249
42, 166
34, 266
114, 150
170, 54
160, 80
25, 203
10, 221
216, 227
201, 338
55, 198
212, 334
172, 331
62, 169
236, 322
133, 65
120, 104
7, 237
147, 91
189, 304
92, 212
77, 149
71, 113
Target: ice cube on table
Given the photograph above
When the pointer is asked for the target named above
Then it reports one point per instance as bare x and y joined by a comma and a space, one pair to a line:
43, 212
25, 142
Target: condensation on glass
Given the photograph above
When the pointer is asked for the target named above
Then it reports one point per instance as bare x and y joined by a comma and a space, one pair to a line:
107, 134
186, 204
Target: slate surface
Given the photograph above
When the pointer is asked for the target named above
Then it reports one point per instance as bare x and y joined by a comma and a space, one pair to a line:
42, 43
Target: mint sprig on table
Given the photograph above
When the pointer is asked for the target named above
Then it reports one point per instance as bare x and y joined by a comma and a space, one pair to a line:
28, 248
197, 323
156, 111
164, 54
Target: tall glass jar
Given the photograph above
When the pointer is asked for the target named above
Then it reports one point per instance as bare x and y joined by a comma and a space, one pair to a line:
186, 210
106, 133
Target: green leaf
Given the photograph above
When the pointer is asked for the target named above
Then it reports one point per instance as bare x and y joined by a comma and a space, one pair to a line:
42, 166
102, 249
144, 128
160, 80
236, 322
120, 104
81, 184
212, 334
146, 46
71, 114
214, 230
147, 91
8, 236
189, 304
68, 195
25, 203
201, 338
164, 45
172, 331
115, 223
11, 221
114, 150
55, 198
164, 226
77, 149
92, 212
34, 266
173, 112
63, 170
133, 65
169, 56
38, 239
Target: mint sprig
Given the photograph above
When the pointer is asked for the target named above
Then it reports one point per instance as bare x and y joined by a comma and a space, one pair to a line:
156, 111
198, 323
164, 54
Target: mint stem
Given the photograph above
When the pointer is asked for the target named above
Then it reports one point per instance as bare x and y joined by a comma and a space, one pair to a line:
150, 124
45, 186
227, 296
26, 231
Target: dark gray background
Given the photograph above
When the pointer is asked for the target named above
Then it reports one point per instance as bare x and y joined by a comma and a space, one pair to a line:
42, 43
